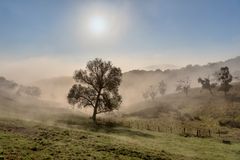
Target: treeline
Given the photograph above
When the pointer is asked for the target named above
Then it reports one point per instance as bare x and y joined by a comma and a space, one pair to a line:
220, 80
18, 89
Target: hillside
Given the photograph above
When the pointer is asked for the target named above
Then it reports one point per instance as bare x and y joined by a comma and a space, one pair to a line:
197, 99
27, 140
38, 129
135, 82
198, 111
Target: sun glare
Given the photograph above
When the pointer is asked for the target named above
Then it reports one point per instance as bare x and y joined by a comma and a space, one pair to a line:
98, 25
101, 26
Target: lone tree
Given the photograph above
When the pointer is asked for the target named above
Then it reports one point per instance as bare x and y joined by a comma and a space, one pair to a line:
206, 84
96, 87
162, 87
225, 78
183, 86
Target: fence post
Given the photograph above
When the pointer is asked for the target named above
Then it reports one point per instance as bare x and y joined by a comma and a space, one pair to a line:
209, 133
148, 128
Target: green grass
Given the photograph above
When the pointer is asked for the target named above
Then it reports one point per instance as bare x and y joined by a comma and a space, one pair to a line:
36, 141
46, 131
31, 140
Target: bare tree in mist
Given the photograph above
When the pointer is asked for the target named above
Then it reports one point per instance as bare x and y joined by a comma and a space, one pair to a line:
162, 86
19, 89
183, 86
97, 87
225, 78
151, 93
206, 84
145, 95
236, 75
29, 91
6, 84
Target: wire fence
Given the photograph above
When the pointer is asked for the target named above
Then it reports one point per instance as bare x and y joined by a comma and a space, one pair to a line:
153, 125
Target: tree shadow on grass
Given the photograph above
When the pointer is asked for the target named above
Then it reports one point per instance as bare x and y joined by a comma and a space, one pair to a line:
236, 99
121, 131
80, 122
233, 97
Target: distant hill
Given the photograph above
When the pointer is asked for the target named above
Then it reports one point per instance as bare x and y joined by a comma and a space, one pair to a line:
160, 67
135, 82
18, 89
32, 108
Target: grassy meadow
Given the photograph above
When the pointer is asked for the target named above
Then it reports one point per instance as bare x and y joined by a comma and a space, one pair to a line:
35, 129
32, 140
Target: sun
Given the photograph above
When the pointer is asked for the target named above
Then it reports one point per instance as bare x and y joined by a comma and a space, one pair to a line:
98, 25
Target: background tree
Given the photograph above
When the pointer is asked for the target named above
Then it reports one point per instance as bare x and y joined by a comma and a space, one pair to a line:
6, 84
206, 84
29, 91
236, 75
96, 87
162, 87
183, 86
225, 78
145, 95
151, 93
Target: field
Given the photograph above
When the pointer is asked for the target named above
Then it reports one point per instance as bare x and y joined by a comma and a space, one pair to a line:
31, 140
36, 129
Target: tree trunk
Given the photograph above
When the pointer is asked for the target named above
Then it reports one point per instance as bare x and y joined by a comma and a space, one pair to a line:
96, 106
210, 90
186, 92
94, 114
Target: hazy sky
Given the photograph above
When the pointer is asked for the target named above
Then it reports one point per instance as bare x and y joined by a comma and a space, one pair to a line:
60, 35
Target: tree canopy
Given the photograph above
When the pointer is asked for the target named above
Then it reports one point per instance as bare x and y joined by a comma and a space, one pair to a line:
206, 84
184, 86
225, 78
162, 87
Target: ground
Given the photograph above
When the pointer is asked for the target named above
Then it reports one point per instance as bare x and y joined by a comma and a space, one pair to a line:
35, 129
33, 140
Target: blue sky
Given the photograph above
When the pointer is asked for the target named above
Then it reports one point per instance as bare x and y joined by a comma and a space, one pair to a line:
150, 31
